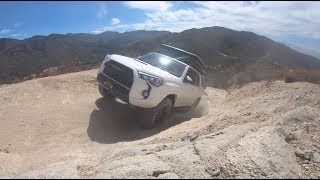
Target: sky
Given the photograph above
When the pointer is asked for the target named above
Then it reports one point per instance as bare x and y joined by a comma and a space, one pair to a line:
296, 24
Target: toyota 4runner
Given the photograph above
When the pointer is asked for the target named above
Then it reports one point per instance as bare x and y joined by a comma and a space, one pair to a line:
154, 83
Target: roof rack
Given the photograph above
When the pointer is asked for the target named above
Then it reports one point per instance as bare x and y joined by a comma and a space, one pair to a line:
184, 56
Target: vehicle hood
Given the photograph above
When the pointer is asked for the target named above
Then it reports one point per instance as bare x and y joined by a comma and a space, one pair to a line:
143, 67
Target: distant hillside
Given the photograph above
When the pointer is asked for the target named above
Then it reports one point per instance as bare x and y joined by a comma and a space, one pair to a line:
216, 45
233, 56
236, 57
19, 58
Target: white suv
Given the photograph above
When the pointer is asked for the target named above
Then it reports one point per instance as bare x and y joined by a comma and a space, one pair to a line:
154, 83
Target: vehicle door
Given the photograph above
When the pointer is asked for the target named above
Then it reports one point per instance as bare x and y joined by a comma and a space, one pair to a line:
198, 89
191, 87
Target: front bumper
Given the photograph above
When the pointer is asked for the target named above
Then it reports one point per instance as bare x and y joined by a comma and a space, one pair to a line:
133, 96
117, 89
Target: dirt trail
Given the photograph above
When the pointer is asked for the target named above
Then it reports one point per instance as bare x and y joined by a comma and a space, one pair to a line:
60, 127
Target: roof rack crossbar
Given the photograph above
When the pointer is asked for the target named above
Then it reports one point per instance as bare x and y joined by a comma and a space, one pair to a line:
183, 56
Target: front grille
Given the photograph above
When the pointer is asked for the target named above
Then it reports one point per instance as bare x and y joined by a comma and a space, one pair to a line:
117, 90
119, 73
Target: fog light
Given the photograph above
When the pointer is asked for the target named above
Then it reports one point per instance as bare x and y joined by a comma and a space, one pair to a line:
145, 93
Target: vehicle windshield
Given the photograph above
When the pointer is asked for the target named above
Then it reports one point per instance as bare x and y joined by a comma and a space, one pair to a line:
164, 62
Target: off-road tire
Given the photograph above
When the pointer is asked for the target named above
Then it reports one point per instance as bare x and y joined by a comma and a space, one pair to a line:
149, 117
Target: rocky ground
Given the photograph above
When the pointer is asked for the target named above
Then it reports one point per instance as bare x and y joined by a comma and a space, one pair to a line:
60, 127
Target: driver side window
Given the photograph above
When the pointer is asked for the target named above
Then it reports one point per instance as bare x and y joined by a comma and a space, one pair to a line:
194, 76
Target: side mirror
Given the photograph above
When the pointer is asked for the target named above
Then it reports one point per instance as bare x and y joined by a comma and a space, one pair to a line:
188, 79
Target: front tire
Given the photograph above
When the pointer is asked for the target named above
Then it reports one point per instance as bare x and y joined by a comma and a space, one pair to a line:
149, 117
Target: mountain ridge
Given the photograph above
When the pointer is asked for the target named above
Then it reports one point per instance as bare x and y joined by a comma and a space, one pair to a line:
218, 46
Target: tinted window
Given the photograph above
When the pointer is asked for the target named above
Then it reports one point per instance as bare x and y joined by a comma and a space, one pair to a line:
194, 76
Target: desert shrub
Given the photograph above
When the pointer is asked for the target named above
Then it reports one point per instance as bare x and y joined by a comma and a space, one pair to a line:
289, 79
289, 76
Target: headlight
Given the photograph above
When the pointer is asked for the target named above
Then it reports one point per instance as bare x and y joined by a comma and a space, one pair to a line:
153, 80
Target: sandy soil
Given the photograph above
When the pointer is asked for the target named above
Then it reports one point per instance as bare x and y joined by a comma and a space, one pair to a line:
60, 127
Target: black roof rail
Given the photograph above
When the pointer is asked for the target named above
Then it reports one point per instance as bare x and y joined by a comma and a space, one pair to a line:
189, 58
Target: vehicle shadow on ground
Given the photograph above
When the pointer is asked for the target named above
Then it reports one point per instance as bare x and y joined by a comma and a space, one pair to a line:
115, 122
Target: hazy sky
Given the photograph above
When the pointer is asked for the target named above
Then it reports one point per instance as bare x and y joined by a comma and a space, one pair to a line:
296, 24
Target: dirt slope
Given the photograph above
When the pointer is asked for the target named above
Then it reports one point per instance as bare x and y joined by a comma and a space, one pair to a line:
60, 127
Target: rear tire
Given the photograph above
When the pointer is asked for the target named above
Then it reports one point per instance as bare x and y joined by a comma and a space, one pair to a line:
104, 92
149, 117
